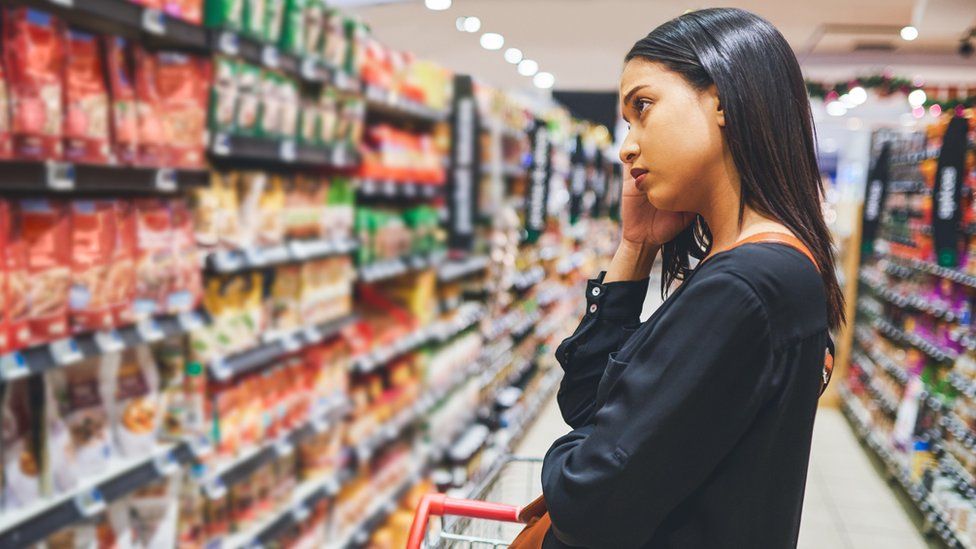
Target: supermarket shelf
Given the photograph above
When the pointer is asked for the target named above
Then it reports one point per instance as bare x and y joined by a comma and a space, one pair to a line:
391, 189
903, 301
896, 334
856, 413
295, 251
525, 280
457, 269
71, 350
239, 468
275, 152
125, 18
962, 385
571, 263
907, 187
226, 368
67, 177
914, 158
388, 104
377, 515
958, 428
24, 527
892, 367
928, 267
392, 268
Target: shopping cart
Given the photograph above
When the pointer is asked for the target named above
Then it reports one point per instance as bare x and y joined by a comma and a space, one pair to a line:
477, 523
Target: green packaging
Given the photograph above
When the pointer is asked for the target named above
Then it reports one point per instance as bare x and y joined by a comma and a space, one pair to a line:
255, 13
273, 19
224, 14
223, 96
248, 113
293, 27
314, 28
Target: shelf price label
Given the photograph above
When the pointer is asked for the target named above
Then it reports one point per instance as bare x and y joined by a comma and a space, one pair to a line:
149, 330
339, 155
63, 3
190, 321
109, 341
153, 21
221, 144
287, 150
60, 176
13, 366
228, 43
165, 180
310, 69
270, 57
90, 502
165, 464
65, 351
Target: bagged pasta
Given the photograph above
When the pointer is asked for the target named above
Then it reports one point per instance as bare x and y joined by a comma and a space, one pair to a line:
122, 267
154, 260
135, 410
151, 133
186, 290
45, 232
122, 92
182, 84
93, 241
86, 105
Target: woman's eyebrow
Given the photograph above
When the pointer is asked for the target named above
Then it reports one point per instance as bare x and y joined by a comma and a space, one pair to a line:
631, 93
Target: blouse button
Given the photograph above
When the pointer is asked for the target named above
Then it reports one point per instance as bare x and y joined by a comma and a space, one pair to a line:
596, 291
593, 308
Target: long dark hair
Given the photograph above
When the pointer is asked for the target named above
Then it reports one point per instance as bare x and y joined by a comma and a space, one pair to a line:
769, 129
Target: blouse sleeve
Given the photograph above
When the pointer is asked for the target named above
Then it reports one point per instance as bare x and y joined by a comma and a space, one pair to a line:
612, 314
669, 417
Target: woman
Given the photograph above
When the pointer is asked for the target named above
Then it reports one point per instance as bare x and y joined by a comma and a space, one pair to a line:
693, 428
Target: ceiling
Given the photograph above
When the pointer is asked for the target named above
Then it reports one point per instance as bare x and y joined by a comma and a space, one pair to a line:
583, 42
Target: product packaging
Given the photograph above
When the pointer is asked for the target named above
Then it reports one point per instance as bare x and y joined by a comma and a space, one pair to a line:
154, 513
224, 14
151, 134
170, 355
45, 233
6, 145
86, 103
5, 299
182, 82
79, 440
155, 262
135, 411
94, 237
255, 15
293, 29
125, 122
33, 58
186, 290
190, 11
121, 278
21, 464
249, 100
273, 20
224, 95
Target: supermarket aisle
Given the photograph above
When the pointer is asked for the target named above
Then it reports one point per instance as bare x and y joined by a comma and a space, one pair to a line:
847, 505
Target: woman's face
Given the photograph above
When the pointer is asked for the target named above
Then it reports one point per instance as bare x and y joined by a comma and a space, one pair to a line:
674, 145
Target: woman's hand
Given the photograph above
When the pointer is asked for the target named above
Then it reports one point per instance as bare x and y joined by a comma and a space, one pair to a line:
645, 230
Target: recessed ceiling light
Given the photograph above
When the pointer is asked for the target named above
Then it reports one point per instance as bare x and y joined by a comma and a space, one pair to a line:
544, 80
917, 98
528, 67
836, 108
909, 33
492, 41
472, 24
513, 55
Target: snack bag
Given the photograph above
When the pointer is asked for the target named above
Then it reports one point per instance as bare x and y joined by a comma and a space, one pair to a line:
225, 187
224, 14
249, 99
170, 355
6, 146
33, 59
293, 26
223, 95
154, 512
86, 117
255, 15
190, 11
21, 422
45, 232
186, 290
250, 190
5, 229
151, 131
125, 121
314, 22
121, 277
16, 320
191, 523
273, 20
155, 264
285, 299
182, 82
135, 400
79, 438
92, 249
270, 218
271, 105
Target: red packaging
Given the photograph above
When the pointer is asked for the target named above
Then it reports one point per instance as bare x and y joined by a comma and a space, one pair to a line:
151, 135
93, 241
6, 150
125, 125
187, 10
33, 56
16, 275
85, 100
183, 85
45, 230
154, 257
4, 312
122, 267
187, 288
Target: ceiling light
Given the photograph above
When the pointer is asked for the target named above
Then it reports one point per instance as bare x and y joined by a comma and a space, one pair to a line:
909, 33
528, 67
459, 23
836, 108
492, 41
513, 55
544, 80
472, 24
847, 101
858, 95
916, 98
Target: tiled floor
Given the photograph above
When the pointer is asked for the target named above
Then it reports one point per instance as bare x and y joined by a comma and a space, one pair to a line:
848, 504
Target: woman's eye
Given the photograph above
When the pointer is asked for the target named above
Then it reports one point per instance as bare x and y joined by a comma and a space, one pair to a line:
641, 105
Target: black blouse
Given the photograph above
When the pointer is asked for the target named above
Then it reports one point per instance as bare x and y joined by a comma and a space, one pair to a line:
693, 428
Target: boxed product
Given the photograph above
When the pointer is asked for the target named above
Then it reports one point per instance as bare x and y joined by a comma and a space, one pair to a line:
182, 84
135, 410
122, 93
79, 439
86, 103
45, 232
21, 463
33, 59
92, 250
151, 132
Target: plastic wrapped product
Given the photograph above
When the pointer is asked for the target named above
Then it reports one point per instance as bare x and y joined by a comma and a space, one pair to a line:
86, 103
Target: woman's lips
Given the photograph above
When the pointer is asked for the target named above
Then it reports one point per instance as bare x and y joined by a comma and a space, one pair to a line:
638, 176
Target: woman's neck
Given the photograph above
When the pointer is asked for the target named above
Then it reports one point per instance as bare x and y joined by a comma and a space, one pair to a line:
724, 223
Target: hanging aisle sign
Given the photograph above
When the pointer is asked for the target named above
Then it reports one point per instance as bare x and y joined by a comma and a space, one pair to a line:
538, 190
874, 197
577, 181
465, 174
946, 194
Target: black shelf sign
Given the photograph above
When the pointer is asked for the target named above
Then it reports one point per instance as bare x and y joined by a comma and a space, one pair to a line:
465, 174
946, 194
599, 185
874, 199
539, 174
577, 181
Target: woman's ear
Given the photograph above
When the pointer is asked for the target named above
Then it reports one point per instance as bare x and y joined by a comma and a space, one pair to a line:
715, 100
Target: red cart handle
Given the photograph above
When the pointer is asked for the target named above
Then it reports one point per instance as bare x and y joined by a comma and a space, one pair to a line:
441, 505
